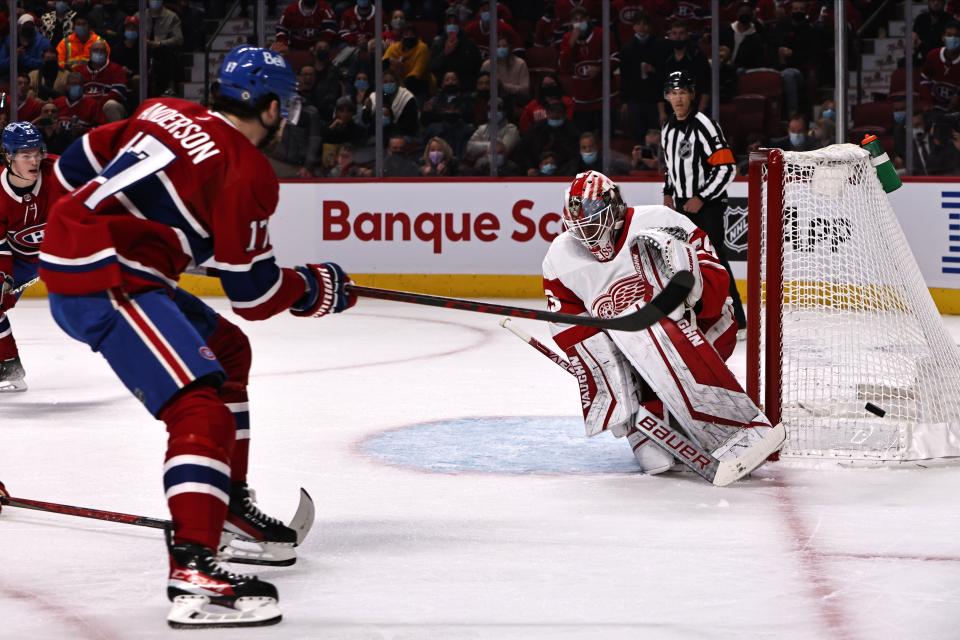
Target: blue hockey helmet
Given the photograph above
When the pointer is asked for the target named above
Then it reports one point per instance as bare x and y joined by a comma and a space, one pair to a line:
247, 74
22, 135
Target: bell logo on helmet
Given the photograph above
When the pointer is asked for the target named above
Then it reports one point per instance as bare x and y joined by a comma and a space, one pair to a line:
275, 59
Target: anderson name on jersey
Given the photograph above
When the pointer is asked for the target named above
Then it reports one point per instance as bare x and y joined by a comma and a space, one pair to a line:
173, 187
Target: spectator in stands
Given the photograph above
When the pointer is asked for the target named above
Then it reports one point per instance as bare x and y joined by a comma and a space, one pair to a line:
78, 112
54, 137
479, 31
438, 159
455, 52
480, 99
556, 133
755, 141
357, 24
345, 168
512, 73
581, 56
107, 20
790, 43
535, 111
685, 58
297, 154
400, 112
326, 86
49, 81
745, 38
28, 107
940, 75
409, 60
928, 27
396, 164
548, 31
102, 78
646, 157
344, 127
57, 24
361, 91
728, 75
640, 84
127, 53
447, 114
30, 47
303, 24
75, 48
547, 165
590, 158
478, 146
566, 8
944, 158
164, 39
798, 136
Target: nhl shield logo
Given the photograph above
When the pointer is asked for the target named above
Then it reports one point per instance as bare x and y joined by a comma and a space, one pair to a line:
735, 226
685, 149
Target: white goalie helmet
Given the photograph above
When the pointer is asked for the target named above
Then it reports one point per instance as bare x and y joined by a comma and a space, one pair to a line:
593, 212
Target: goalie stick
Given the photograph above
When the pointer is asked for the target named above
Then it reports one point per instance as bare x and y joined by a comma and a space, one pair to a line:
671, 297
245, 551
703, 463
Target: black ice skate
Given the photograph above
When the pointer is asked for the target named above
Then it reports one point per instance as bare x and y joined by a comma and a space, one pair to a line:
12, 375
252, 537
197, 581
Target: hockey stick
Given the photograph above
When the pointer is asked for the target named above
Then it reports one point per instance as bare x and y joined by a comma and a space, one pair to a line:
662, 305
25, 285
701, 462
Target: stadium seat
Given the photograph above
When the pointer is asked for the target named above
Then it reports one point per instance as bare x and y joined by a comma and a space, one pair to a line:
751, 114
765, 82
542, 59
898, 80
876, 114
299, 58
426, 29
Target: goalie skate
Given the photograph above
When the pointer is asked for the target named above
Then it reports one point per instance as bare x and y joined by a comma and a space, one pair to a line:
205, 595
252, 537
12, 376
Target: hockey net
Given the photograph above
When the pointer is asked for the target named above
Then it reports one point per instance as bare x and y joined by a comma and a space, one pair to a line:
839, 316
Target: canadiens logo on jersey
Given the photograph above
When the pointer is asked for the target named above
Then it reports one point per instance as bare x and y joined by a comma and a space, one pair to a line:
27, 241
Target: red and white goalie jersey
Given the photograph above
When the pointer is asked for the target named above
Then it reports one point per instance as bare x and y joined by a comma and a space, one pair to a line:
679, 361
173, 187
22, 218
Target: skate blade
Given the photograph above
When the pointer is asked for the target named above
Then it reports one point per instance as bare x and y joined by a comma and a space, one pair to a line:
13, 386
730, 471
192, 612
242, 550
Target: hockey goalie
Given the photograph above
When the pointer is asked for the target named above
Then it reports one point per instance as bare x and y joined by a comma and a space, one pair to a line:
672, 377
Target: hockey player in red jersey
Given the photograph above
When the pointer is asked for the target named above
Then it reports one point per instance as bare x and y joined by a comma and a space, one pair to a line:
612, 257
29, 187
175, 187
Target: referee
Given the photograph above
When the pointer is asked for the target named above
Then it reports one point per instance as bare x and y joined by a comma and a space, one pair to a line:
699, 166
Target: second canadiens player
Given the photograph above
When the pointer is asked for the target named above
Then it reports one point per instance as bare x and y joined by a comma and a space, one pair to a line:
613, 256
177, 187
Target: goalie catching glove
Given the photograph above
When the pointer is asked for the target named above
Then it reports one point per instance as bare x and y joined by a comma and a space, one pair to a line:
326, 290
672, 255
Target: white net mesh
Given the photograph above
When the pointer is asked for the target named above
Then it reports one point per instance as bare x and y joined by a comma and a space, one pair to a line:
858, 323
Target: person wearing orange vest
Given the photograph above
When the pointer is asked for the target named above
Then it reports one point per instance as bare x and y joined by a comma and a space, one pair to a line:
75, 48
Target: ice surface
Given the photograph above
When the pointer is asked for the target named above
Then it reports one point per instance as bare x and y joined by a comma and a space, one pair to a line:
564, 541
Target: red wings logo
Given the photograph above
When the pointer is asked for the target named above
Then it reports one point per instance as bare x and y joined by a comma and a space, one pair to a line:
622, 294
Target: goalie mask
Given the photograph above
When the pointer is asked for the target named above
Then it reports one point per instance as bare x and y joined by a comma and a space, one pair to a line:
593, 212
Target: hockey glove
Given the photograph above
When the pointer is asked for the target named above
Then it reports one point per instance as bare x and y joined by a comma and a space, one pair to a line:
326, 291
675, 255
7, 299
3, 492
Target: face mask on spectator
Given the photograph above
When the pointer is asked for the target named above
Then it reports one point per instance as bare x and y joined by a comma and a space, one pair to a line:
389, 88
550, 91
28, 31
580, 26
485, 16
502, 52
499, 160
796, 139
386, 120
829, 114
499, 117
155, 5
361, 84
744, 19
548, 169
799, 16
589, 157
435, 156
409, 42
50, 66
641, 37
679, 45
452, 28
323, 54
899, 117
61, 7
81, 31
951, 42
74, 92
98, 58
555, 122
131, 35
397, 24
451, 89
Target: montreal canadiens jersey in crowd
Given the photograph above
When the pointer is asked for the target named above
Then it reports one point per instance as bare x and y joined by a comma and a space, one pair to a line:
574, 281
22, 219
171, 188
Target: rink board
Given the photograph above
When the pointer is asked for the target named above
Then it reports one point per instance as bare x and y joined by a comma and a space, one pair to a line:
487, 237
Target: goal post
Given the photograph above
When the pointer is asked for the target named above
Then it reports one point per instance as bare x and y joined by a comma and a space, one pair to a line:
844, 343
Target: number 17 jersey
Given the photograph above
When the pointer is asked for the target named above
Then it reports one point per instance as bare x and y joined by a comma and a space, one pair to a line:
172, 188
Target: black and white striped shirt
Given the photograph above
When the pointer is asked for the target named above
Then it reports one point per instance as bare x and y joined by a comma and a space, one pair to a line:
699, 162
